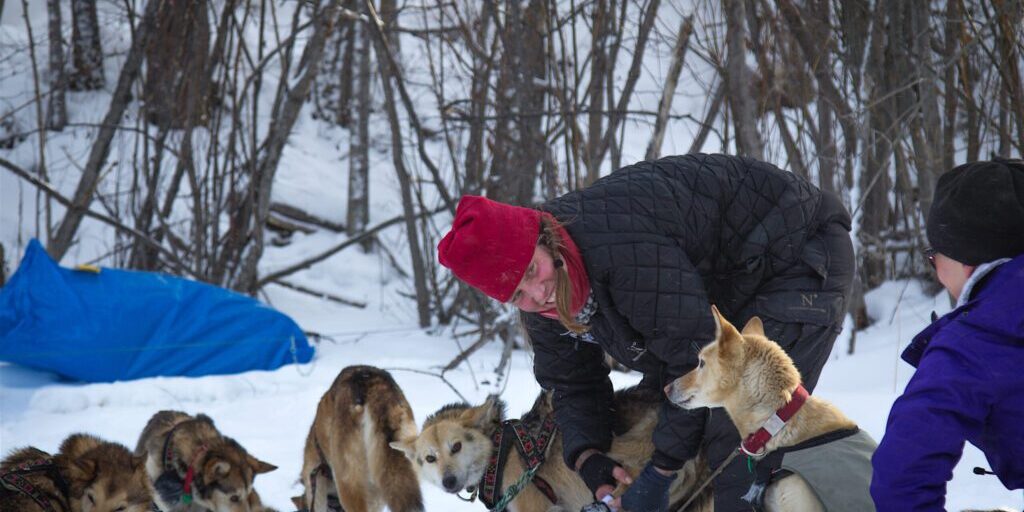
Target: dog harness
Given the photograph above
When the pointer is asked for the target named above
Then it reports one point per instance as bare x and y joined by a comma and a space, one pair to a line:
531, 449
836, 465
754, 444
189, 483
13, 480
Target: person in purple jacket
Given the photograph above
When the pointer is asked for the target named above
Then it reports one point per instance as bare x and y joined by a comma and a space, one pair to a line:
969, 384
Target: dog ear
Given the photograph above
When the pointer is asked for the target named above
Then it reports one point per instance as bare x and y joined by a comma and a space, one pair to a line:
754, 326
726, 335
718, 321
406, 446
214, 469
491, 412
82, 470
258, 466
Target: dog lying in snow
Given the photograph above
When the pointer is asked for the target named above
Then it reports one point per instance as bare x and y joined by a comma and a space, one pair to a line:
194, 468
87, 475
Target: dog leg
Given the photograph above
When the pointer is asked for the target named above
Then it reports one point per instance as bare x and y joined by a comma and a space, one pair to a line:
353, 497
323, 485
792, 493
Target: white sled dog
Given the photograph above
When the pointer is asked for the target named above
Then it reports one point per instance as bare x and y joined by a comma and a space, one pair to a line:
757, 383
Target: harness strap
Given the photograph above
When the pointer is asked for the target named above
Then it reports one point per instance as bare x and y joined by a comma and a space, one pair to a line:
189, 481
531, 448
770, 469
190, 475
765, 471
490, 483
13, 480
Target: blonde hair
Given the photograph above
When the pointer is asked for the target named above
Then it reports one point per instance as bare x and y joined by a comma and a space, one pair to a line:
551, 239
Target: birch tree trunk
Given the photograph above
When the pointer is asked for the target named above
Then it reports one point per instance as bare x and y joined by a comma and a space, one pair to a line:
177, 58
483, 65
85, 43
518, 142
596, 90
359, 151
56, 112
738, 79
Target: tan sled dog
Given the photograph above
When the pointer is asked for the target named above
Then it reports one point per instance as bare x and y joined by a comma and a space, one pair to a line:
195, 468
87, 475
455, 449
753, 378
347, 449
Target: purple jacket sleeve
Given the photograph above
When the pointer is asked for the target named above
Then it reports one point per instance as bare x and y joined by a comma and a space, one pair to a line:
945, 402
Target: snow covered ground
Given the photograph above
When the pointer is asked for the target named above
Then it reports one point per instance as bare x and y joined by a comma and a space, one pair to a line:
270, 412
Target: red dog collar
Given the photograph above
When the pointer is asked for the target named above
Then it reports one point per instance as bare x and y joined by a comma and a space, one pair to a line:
753, 445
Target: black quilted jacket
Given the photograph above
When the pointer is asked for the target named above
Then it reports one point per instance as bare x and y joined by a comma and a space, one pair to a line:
661, 241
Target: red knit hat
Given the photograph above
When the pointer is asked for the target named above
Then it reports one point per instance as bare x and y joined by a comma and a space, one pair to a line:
490, 245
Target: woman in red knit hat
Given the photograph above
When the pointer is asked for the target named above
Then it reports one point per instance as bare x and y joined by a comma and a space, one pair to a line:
630, 266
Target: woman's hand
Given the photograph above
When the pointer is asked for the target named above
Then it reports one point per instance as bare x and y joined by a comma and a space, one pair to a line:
601, 473
649, 493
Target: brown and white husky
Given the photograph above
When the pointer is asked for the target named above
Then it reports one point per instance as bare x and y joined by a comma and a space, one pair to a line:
347, 459
195, 468
86, 475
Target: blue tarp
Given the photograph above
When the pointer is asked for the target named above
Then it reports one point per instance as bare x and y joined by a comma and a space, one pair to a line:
120, 325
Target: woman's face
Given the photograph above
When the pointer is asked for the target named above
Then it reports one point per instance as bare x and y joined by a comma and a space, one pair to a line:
536, 291
952, 274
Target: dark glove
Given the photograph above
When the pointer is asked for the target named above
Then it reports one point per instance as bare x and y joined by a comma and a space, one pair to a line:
649, 492
597, 471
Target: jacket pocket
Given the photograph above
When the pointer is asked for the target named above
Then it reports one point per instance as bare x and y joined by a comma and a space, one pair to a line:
789, 316
815, 255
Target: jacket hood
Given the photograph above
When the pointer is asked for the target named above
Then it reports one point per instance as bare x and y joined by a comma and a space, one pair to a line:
999, 303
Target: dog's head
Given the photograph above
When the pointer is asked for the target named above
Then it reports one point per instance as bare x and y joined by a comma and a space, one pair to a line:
225, 476
104, 476
738, 369
453, 449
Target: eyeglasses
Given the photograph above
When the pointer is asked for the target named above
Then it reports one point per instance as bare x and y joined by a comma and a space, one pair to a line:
930, 254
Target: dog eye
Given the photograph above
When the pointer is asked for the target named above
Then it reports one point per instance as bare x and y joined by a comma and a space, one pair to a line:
700, 363
456, 447
235, 499
122, 508
91, 499
431, 459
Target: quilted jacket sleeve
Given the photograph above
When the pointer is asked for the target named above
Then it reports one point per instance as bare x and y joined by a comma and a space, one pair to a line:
657, 290
582, 392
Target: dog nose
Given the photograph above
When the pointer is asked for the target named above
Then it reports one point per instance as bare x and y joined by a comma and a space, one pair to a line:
449, 483
668, 389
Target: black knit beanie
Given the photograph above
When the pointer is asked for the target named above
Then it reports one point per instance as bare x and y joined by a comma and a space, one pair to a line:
977, 214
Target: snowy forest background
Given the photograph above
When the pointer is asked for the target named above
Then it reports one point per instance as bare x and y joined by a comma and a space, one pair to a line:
311, 153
